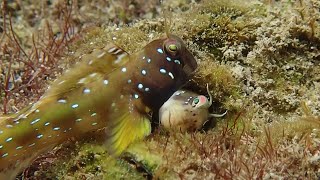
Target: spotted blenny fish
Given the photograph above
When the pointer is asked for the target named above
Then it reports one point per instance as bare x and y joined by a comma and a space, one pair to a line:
186, 111
108, 89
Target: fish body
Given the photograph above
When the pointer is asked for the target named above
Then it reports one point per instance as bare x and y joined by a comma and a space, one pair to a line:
186, 111
108, 89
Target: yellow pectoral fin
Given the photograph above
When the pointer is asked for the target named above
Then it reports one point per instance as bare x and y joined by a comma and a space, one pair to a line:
125, 130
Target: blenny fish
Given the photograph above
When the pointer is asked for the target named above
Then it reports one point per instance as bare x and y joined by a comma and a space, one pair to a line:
186, 111
108, 89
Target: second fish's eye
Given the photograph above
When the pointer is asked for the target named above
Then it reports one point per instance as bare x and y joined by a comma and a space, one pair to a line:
195, 101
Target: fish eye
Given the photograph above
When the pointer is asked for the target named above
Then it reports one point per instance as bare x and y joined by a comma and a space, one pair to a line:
195, 101
172, 47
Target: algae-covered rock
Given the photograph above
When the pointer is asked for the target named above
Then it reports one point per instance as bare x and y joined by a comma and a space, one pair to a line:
260, 59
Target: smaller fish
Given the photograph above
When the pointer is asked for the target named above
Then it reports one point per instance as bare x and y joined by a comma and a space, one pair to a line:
186, 111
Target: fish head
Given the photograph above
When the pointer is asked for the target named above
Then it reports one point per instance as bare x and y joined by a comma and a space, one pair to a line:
163, 67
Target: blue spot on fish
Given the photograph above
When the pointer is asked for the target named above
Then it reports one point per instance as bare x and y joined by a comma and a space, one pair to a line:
35, 121
5, 155
63, 101
177, 61
144, 72
160, 50
56, 128
39, 136
78, 120
75, 106
162, 71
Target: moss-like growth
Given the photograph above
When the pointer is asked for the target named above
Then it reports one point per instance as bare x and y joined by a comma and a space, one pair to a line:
259, 59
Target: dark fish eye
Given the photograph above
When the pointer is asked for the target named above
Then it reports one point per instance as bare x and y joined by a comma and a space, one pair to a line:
196, 100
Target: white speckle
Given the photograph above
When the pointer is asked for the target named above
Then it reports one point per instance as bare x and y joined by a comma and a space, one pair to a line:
82, 80
62, 82
19, 147
136, 96
9, 126
149, 60
49, 136
113, 104
46, 124
105, 82
93, 114
146, 89
171, 75
78, 120
124, 69
186, 102
1, 132
177, 61
160, 50
119, 58
32, 144
112, 49
119, 50
93, 124
168, 59
102, 54
93, 74
35, 121
163, 71
16, 122
9, 139
63, 101
140, 86
143, 57
1, 146
86, 91
121, 96
5, 155
90, 62
56, 128
37, 110
65, 131
129, 81
39, 136
75, 106
143, 72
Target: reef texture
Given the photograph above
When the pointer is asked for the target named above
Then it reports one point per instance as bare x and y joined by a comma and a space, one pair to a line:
261, 60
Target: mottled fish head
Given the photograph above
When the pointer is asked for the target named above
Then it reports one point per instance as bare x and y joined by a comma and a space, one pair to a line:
162, 67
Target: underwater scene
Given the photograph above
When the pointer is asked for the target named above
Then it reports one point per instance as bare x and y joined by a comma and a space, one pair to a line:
182, 89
